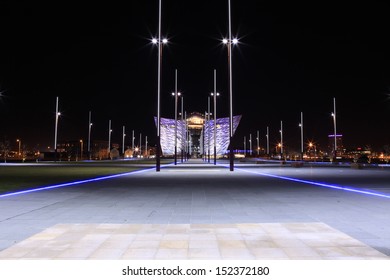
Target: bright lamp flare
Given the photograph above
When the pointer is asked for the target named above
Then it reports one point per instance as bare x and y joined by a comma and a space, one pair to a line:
154, 41
225, 41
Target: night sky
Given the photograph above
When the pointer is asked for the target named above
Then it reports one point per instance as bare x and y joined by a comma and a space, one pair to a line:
99, 58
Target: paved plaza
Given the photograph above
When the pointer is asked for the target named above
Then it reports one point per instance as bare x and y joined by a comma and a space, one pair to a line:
196, 210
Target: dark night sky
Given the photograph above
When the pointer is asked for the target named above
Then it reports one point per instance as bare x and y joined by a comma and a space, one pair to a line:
290, 59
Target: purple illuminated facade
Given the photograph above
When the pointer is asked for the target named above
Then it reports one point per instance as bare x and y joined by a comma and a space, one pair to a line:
195, 135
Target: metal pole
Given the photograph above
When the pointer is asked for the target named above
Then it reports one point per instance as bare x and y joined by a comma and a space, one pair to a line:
182, 138
258, 146
146, 146
158, 148
123, 140
132, 144
250, 144
89, 134
281, 139
55, 131
335, 131
140, 144
186, 138
301, 135
208, 129
267, 141
215, 117
109, 137
231, 154
175, 116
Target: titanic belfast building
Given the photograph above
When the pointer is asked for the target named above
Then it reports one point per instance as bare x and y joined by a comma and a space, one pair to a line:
195, 135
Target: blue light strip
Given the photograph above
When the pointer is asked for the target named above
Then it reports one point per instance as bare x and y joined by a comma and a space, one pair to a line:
349, 189
78, 182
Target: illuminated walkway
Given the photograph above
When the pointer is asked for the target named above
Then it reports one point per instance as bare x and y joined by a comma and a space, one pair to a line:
198, 210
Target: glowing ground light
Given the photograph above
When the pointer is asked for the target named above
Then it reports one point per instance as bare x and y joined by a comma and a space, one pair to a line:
75, 183
349, 189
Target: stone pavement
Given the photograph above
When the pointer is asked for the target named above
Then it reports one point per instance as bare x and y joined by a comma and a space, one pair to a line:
196, 210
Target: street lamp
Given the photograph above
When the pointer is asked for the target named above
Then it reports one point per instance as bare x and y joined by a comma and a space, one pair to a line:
229, 42
215, 94
19, 142
244, 146
250, 144
109, 137
182, 136
258, 146
89, 134
301, 126
281, 139
334, 126
176, 95
160, 43
123, 140
146, 146
140, 144
56, 130
132, 144
267, 135
81, 149
208, 131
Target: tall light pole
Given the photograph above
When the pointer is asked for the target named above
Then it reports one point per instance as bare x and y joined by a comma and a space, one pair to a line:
140, 144
281, 139
160, 43
19, 142
215, 94
258, 146
186, 138
301, 126
132, 144
109, 137
56, 130
146, 146
208, 131
182, 136
123, 140
89, 134
335, 131
176, 94
267, 135
250, 144
229, 43
81, 149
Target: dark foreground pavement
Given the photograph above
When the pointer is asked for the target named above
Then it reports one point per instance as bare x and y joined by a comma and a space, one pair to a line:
197, 193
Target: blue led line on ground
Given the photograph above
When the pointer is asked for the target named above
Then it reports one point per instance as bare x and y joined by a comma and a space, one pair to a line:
76, 182
349, 189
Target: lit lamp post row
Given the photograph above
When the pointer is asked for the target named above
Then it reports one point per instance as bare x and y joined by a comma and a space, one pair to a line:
310, 144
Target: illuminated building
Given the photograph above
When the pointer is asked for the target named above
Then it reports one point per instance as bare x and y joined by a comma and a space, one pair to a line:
195, 135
